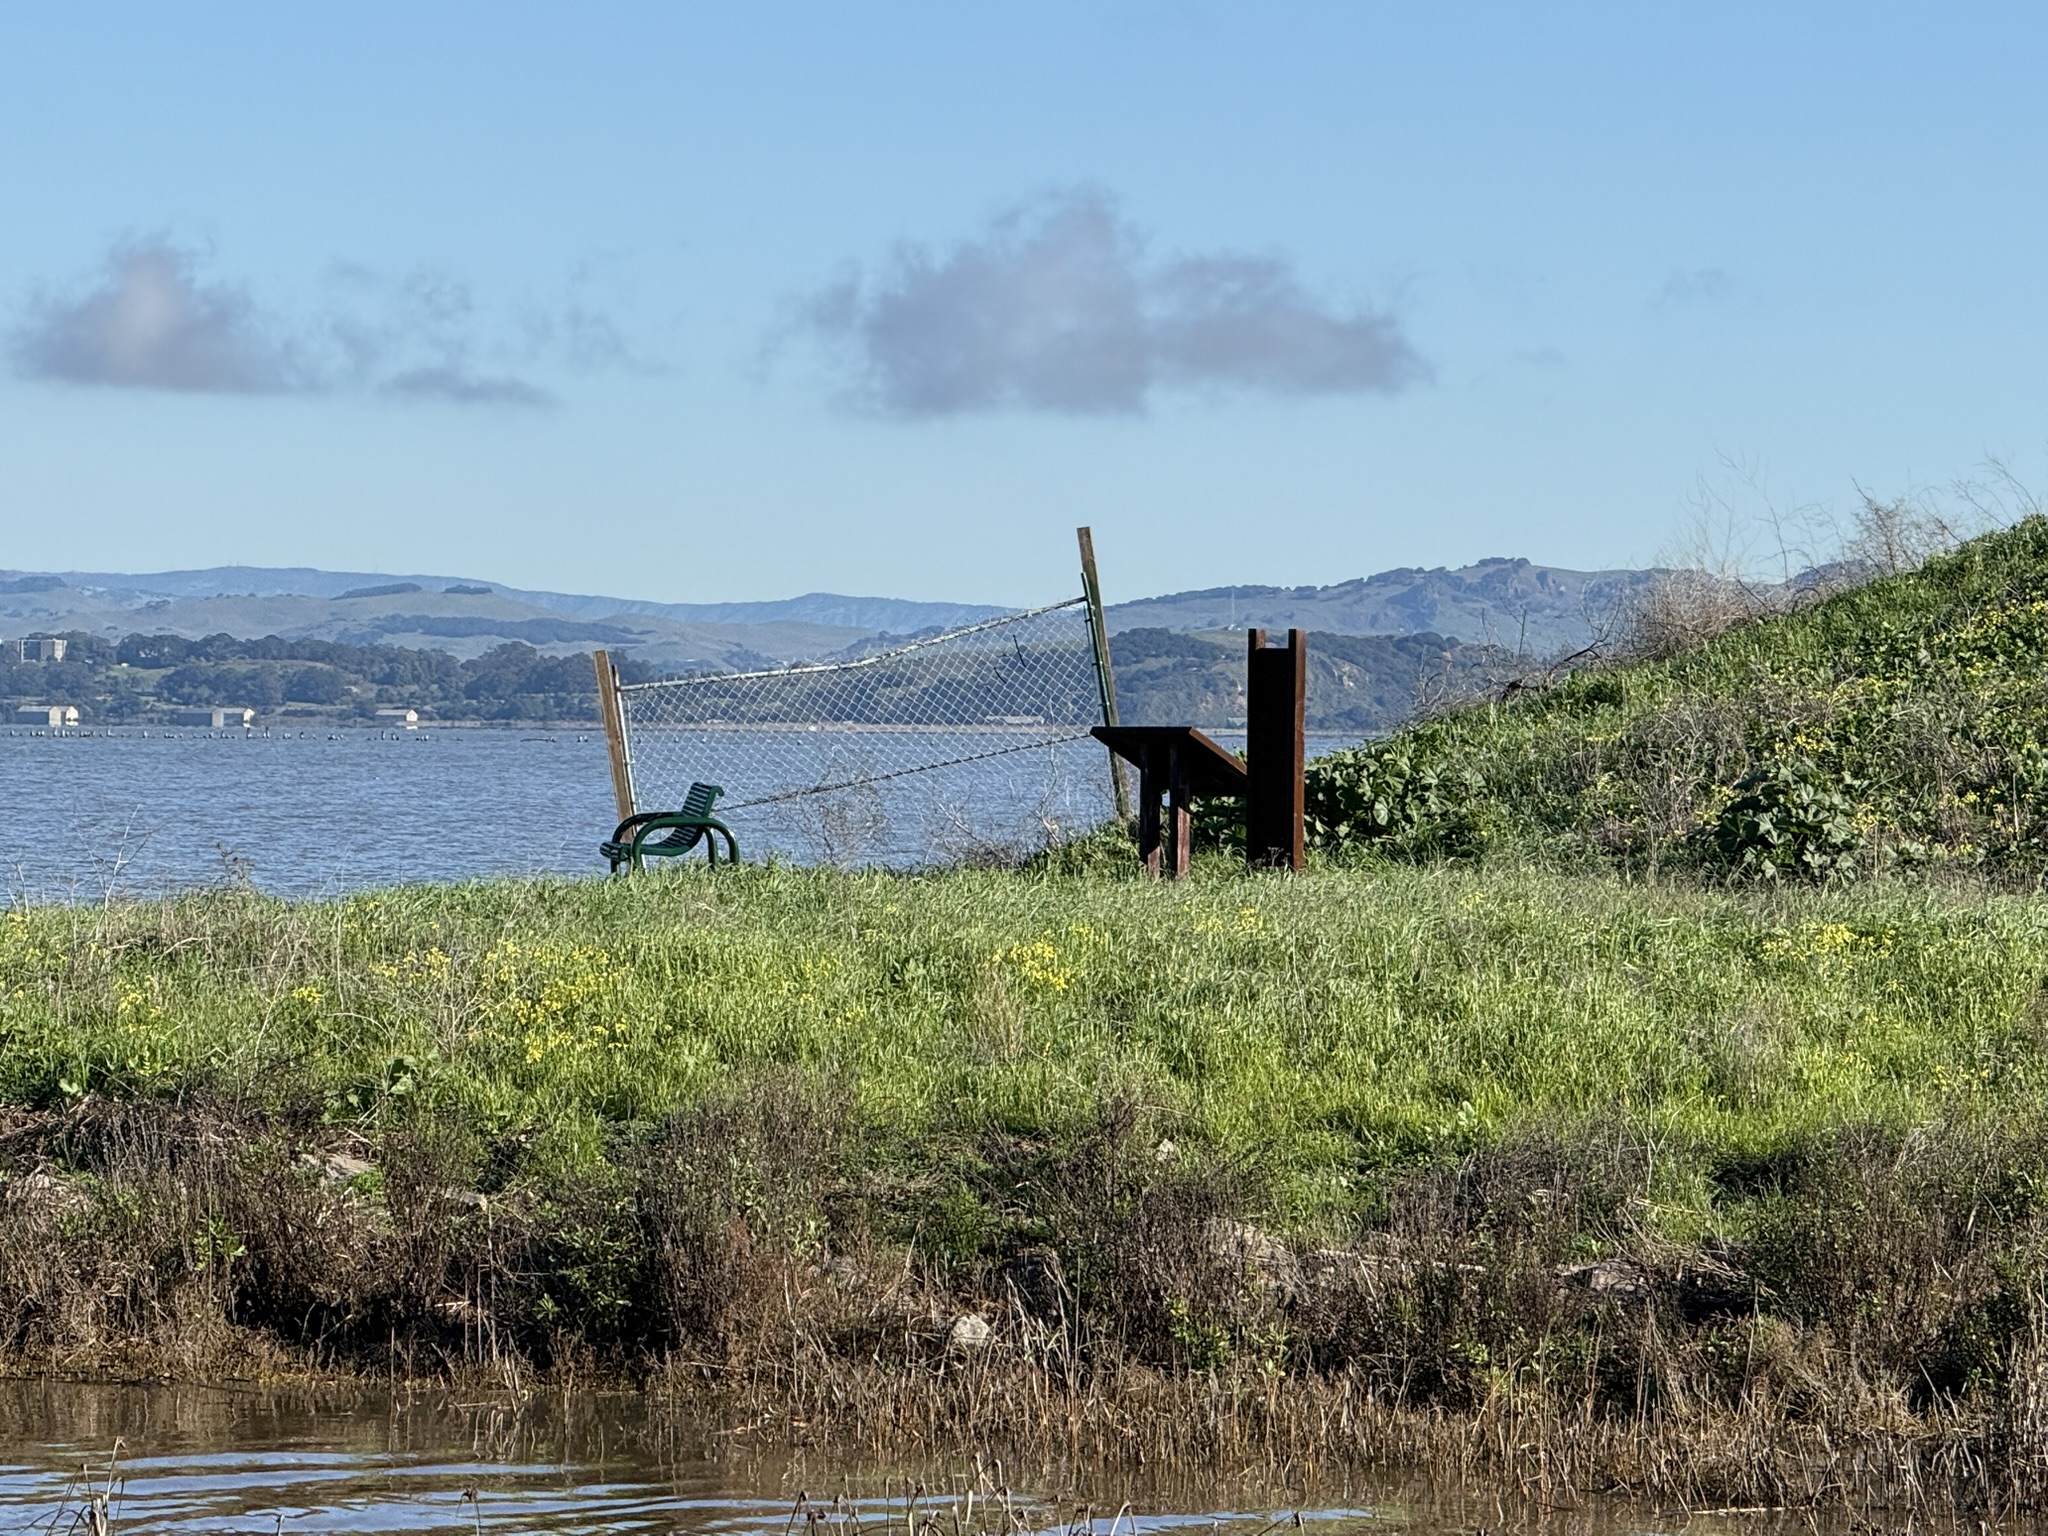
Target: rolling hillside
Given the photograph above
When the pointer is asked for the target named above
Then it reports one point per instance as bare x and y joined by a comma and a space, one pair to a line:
1535, 610
1899, 723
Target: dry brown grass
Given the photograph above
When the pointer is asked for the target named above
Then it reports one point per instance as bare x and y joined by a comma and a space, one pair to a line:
1879, 1340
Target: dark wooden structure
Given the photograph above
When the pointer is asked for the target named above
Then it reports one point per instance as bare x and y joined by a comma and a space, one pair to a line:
1175, 763
1275, 749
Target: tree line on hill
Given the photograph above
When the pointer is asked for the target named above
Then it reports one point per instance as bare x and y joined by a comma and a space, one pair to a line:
1363, 683
139, 677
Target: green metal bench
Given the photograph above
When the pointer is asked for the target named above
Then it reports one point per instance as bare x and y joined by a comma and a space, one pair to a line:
634, 839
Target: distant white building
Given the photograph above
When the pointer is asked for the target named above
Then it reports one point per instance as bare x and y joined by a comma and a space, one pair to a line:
47, 714
46, 648
217, 719
409, 718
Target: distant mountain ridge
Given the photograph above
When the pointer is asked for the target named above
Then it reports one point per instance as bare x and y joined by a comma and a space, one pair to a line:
1512, 604
831, 609
1533, 609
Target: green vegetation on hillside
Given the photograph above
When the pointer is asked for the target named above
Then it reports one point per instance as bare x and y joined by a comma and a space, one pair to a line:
1904, 722
1336, 1026
1759, 1165
1471, 1142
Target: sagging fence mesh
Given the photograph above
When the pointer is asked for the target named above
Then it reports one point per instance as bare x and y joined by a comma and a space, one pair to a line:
973, 743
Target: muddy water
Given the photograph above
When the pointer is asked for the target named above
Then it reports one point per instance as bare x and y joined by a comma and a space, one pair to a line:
193, 1460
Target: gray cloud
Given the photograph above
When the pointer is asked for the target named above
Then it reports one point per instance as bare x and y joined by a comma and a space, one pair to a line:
149, 320
465, 388
1700, 285
1056, 306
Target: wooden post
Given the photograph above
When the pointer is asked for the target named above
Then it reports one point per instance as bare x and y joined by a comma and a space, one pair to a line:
1148, 826
614, 731
1105, 675
1180, 812
1276, 750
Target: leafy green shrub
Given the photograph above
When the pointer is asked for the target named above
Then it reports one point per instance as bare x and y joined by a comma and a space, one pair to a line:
1382, 796
1787, 821
1377, 796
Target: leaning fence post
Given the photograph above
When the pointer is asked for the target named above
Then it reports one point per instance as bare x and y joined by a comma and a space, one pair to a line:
1105, 677
614, 718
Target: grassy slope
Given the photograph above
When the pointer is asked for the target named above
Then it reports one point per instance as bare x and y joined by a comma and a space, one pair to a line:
1921, 697
1334, 1027
1807, 1124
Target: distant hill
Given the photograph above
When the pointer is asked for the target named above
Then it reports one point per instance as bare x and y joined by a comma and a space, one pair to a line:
1523, 608
1382, 647
1536, 610
1363, 683
824, 609
463, 616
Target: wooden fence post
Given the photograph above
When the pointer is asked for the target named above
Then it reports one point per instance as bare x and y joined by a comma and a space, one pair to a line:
1276, 750
614, 731
1105, 676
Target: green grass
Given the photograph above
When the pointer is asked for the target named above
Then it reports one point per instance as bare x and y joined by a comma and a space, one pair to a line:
1335, 1027
1530, 1007
1918, 700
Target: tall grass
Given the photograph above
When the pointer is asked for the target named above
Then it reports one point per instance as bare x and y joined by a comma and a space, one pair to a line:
1913, 703
1541, 1161
1337, 1026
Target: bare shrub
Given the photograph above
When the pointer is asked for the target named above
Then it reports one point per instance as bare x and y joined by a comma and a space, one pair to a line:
1682, 609
1890, 538
1157, 1247
1905, 1246
734, 1199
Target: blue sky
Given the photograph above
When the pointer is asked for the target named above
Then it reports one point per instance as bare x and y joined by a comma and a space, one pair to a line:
686, 302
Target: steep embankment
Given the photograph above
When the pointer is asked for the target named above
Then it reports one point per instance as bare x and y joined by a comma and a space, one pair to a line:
1726, 1195
1728, 1191
1899, 723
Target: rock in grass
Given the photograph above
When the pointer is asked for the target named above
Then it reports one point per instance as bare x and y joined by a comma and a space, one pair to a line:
335, 1167
1264, 1259
969, 1334
1608, 1279
42, 1192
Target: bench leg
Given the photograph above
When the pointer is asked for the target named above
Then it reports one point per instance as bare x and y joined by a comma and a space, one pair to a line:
1149, 789
1182, 821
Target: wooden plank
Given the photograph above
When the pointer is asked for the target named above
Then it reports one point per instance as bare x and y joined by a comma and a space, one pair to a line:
1211, 770
1276, 750
614, 719
1105, 674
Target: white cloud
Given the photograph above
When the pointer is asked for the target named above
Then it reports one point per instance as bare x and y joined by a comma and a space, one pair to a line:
148, 322
149, 319
1056, 306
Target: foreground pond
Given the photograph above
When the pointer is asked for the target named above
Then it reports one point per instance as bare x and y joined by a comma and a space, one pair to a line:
221, 1460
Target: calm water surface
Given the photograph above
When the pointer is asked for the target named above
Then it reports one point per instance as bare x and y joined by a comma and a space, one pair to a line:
300, 814
192, 1460
195, 1460
318, 812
